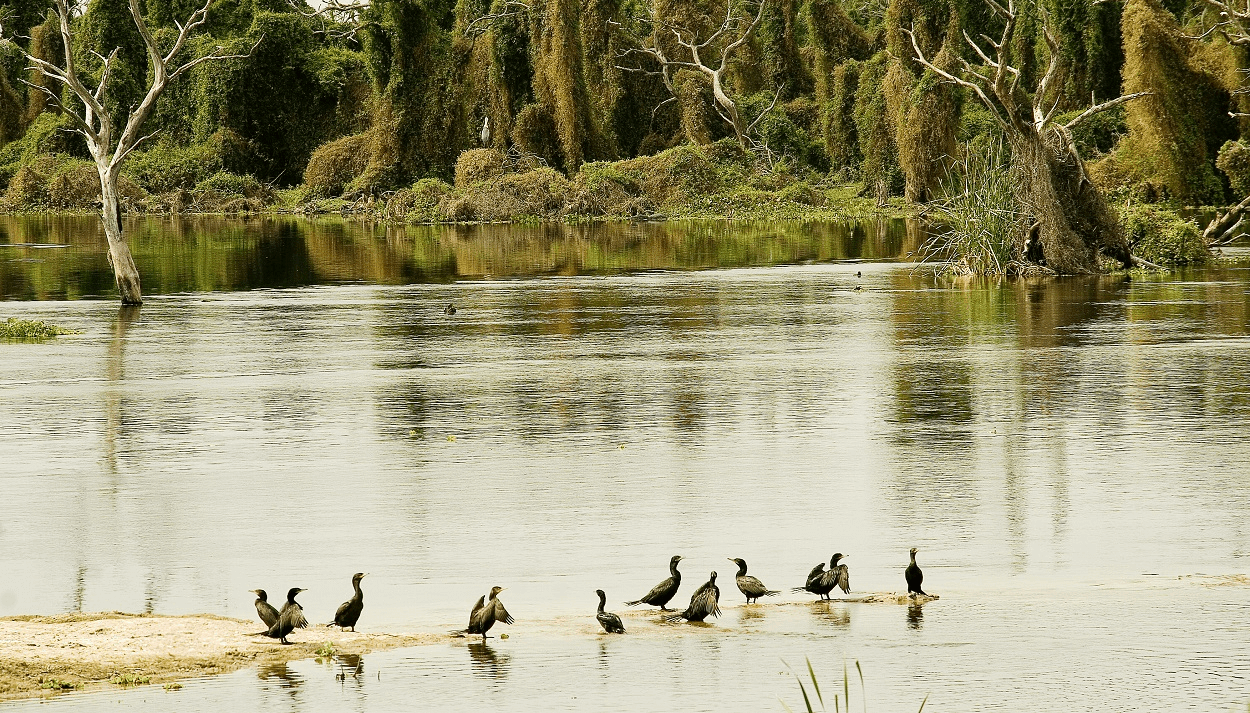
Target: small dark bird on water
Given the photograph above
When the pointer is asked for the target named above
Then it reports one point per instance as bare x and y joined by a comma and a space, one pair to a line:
661, 593
486, 612
914, 576
267, 613
449, 309
610, 622
750, 586
290, 618
349, 611
704, 602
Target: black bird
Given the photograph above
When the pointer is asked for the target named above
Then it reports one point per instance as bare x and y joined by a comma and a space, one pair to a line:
704, 602
836, 576
610, 622
912, 573
290, 618
349, 611
813, 579
661, 593
751, 587
449, 309
486, 612
267, 613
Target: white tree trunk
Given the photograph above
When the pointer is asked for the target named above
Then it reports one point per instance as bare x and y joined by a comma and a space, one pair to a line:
124, 270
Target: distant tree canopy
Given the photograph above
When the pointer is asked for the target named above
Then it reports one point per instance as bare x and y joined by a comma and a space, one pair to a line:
399, 94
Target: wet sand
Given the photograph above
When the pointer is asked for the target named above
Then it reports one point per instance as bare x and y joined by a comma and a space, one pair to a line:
87, 651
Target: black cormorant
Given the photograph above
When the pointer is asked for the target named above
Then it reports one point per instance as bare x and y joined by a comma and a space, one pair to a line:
267, 613
913, 574
661, 593
751, 587
836, 576
349, 611
449, 309
290, 618
486, 612
704, 602
610, 622
813, 580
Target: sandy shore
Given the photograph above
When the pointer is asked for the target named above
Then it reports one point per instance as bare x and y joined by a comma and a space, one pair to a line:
40, 655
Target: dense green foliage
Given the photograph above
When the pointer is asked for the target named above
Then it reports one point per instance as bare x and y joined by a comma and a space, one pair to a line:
491, 109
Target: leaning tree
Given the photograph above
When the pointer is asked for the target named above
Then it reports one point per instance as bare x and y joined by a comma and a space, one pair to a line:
91, 111
1071, 220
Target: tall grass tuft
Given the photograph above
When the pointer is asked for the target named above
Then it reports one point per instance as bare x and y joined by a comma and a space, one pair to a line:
840, 703
984, 221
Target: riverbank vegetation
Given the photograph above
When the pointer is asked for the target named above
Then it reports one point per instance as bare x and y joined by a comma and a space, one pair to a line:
502, 110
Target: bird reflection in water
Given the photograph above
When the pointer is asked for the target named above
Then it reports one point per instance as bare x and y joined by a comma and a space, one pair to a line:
751, 614
488, 663
915, 616
283, 676
832, 613
349, 667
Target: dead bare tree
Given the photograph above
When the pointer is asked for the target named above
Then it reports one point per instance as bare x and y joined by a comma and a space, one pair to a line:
1071, 221
733, 32
94, 121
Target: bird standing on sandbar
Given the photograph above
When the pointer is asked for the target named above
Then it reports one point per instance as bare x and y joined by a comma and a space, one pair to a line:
663, 592
610, 622
813, 584
349, 611
914, 576
290, 618
750, 586
836, 576
267, 613
486, 612
704, 602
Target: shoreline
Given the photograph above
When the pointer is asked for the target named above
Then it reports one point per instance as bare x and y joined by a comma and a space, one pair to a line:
42, 656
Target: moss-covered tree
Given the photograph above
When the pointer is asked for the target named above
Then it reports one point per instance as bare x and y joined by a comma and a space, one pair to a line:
1071, 223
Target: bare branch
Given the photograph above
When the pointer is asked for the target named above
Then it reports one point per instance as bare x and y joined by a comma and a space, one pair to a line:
776, 96
1098, 108
480, 25
976, 88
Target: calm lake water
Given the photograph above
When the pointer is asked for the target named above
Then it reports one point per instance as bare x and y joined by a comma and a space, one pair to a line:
292, 405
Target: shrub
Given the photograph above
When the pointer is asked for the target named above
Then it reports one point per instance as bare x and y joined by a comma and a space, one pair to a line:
1234, 161
1163, 237
419, 204
478, 165
166, 167
336, 164
60, 182
539, 193
603, 189
233, 184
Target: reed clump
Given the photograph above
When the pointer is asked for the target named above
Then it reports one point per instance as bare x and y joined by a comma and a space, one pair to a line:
985, 223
